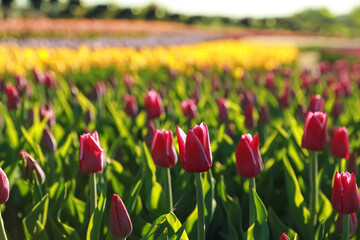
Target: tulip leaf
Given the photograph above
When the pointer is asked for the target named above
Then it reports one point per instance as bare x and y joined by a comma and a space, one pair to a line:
93, 231
85, 103
326, 209
28, 138
277, 226
269, 143
296, 201
10, 128
131, 202
208, 183
117, 118
65, 105
282, 132
35, 221
260, 229
320, 232
191, 224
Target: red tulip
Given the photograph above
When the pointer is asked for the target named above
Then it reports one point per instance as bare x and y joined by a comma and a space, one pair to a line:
340, 146
337, 109
250, 122
91, 155
131, 107
89, 117
353, 166
284, 237
287, 72
270, 80
50, 113
32, 165
163, 150
150, 134
248, 159
264, 115
189, 108
4, 187
194, 148
21, 83
284, 100
316, 104
345, 193
48, 142
13, 99
153, 105
38, 76
305, 82
223, 109
247, 98
301, 112
339, 223
49, 80
119, 222
314, 137
128, 80
2, 85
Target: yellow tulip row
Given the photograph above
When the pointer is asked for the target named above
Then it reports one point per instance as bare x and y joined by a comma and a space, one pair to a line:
236, 54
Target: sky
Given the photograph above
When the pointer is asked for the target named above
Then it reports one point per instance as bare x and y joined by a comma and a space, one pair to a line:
238, 8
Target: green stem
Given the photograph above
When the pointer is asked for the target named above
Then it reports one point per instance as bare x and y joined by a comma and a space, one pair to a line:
93, 194
314, 187
346, 227
2, 229
168, 188
252, 185
200, 203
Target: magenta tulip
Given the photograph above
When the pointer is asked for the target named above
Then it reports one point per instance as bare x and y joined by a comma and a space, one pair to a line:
340, 146
119, 222
314, 137
163, 150
91, 155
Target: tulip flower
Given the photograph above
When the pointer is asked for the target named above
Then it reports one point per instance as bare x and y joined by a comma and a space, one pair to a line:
153, 105
314, 137
131, 107
316, 104
284, 237
50, 113
339, 223
91, 155
150, 134
4, 187
13, 99
189, 108
2, 85
21, 84
48, 142
264, 115
340, 146
49, 80
38, 76
301, 112
284, 99
270, 80
223, 109
89, 116
306, 82
250, 122
113, 82
337, 109
248, 159
32, 165
120, 224
345, 193
163, 150
128, 80
247, 98
353, 166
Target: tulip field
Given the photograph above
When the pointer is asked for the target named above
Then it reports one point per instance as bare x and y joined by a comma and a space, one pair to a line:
224, 139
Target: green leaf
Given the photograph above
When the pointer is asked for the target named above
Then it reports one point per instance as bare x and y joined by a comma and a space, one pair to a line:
169, 222
10, 128
320, 232
133, 197
93, 231
261, 229
38, 215
277, 227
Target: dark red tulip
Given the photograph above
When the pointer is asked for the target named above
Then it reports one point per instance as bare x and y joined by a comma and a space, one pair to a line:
338, 89
269, 80
314, 137
189, 108
230, 129
113, 82
345, 193
163, 150
324, 67
131, 106
49, 80
194, 148
153, 105
264, 115
196, 94
337, 109
4, 187
340, 146
345, 83
120, 224
284, 99
48, 142
339, 223
2, 85
32, 165
248, 159
21, 84
13, 99
306, 82
325, 94
89, 117
284, 237
301, 112
316, 104
91, 155
353, 166
50, 113
223, 109
250, 122
287, 72
150, 134
38, 76
215, 83
247, 98
31, 117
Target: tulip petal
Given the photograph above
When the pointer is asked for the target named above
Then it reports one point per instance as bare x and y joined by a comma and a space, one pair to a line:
181, 136
195, 157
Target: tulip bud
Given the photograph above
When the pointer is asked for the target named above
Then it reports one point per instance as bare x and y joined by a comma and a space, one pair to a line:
89, 116
339, 223
150, 134
223, 109
128, 80
194, 148
230, 129
50, 113
2, 86
163, 150
248, 159
353, 166
284, 100
345, 193
119, 222
247, 98
270, 80
340, 146
189, 108
287, 72
21, 84
31, 117
301, 112
38, 76
4, 187
153, 105
316, 104
196, 94
13, 99
91, 155
49, 80
113, 82
264, 115
314, 137
337, 109
306, 82
131, 107
284, 237
48, 142
32, 165
250, 122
